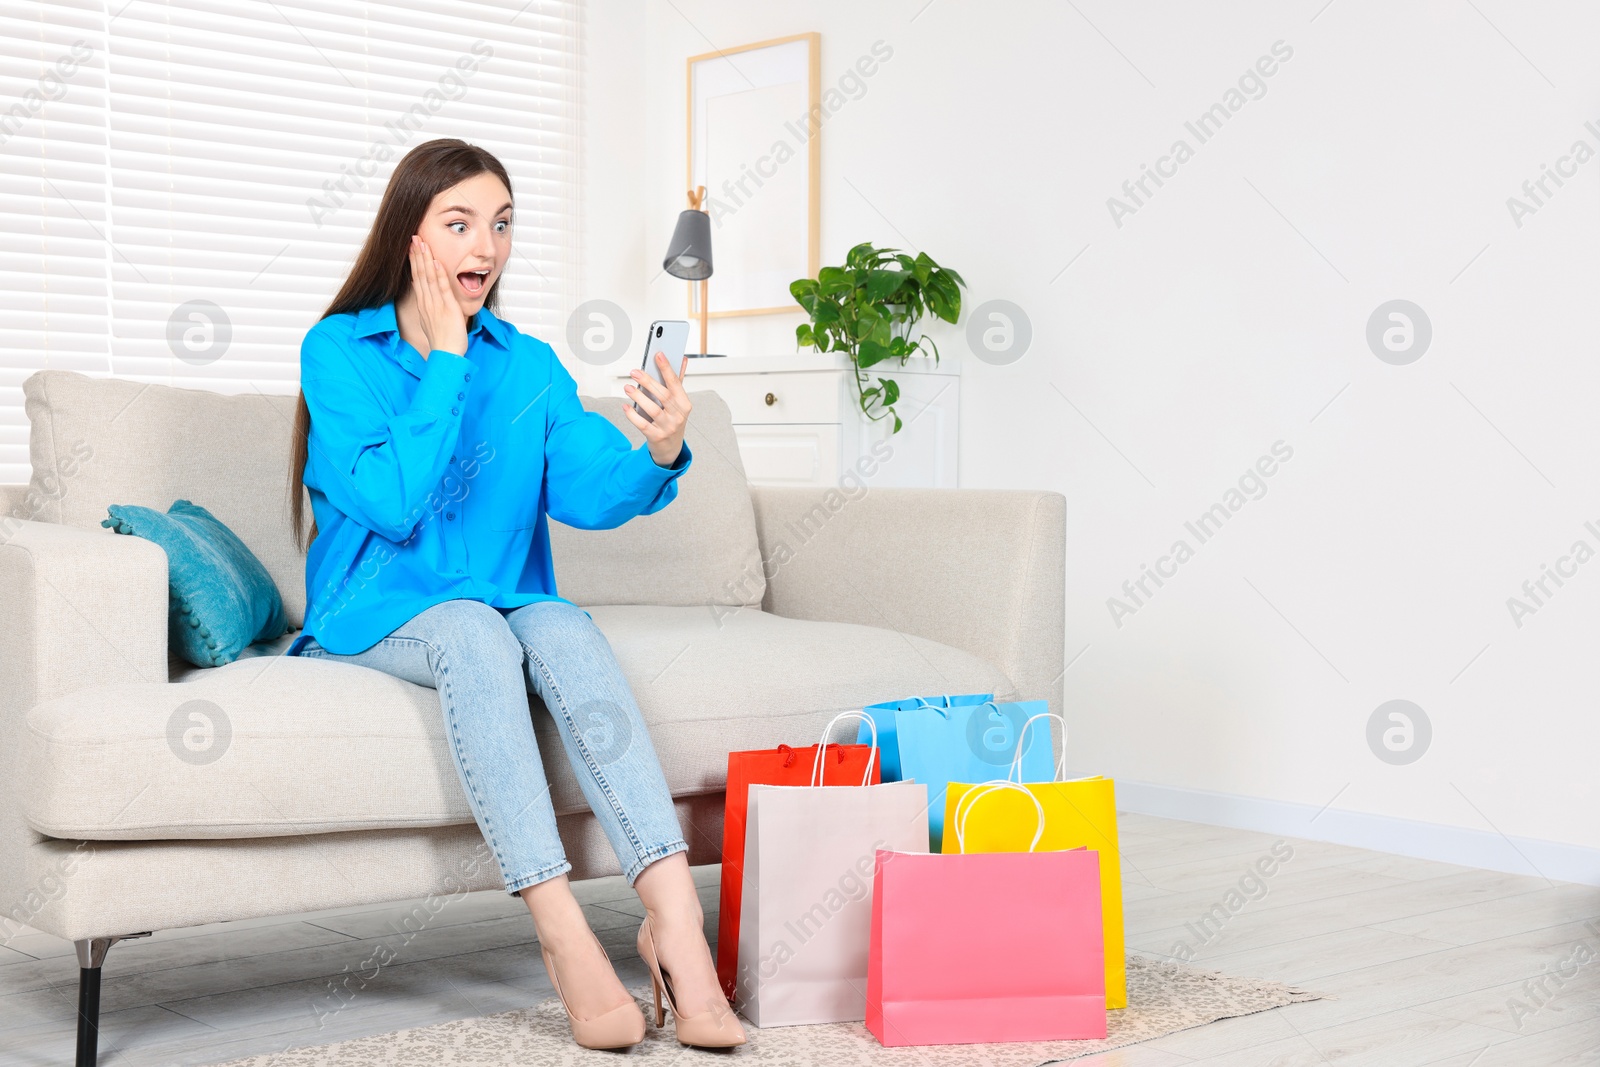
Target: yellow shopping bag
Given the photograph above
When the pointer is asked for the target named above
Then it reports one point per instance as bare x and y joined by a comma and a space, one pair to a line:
1081, 813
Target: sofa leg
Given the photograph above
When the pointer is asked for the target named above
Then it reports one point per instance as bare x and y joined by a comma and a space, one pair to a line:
88, 1015
91, 955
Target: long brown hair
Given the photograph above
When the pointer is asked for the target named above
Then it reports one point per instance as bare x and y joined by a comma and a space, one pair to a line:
382, 271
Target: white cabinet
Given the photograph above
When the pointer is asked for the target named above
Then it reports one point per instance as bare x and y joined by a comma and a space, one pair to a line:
799, 423
790, 454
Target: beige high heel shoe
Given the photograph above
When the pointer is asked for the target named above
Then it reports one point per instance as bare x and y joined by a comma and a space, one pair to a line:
618, 1028
715, 1027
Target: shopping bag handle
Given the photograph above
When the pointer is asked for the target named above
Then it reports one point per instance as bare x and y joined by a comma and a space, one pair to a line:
1022, 737
816, 762
946, 708
788, 755
983, 789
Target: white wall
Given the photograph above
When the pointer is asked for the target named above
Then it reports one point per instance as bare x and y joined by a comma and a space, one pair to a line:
1229, 313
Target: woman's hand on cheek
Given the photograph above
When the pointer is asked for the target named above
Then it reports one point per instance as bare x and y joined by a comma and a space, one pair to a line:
670, 413
443, 321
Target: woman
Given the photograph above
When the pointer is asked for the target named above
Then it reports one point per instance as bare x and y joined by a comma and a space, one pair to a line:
435, 439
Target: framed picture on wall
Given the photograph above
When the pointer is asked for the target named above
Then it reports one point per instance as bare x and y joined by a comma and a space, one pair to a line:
753, 125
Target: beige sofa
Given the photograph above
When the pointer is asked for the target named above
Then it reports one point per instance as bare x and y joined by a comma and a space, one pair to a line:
318, 785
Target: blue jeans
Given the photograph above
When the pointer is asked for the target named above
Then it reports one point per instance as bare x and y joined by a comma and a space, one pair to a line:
484, 661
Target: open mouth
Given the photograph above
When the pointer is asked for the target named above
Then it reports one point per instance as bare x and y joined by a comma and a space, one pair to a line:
472, 280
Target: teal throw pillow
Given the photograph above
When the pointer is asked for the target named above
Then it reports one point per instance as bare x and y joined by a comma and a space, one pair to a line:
221, 597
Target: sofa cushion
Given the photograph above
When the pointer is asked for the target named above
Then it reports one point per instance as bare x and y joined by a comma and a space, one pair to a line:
700, 550
222, 598
273, 745
95, 442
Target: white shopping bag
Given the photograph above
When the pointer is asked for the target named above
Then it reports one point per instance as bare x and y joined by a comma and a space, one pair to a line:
806, 915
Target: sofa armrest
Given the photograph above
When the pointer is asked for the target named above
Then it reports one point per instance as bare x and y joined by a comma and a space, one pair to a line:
982, 570
78, 607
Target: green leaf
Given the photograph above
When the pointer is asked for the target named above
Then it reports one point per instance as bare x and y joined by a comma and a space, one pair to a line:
825, 313
871, 352
804, 293
896, 424
837, 287
882, 284
891, 391
802, 335
944, 298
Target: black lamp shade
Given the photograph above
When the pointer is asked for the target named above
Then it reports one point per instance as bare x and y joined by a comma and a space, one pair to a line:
689, 254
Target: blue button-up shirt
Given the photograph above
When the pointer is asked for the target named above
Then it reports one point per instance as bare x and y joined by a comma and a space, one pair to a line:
431, 479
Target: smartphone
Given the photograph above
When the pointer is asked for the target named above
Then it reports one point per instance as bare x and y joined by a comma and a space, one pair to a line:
669, 337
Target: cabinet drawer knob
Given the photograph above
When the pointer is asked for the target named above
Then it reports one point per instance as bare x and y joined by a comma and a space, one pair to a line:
771, 400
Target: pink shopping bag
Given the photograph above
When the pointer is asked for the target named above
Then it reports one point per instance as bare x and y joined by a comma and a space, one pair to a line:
999, 946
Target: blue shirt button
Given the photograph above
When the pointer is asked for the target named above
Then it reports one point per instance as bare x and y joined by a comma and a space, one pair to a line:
461, 396
450, 515
454, 411
452, 459
467, 377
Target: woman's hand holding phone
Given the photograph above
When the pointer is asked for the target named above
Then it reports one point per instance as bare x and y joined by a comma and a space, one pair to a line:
443, 321
665, 417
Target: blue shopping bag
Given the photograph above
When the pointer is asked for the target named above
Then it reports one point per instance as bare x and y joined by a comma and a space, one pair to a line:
883, 721
969, 743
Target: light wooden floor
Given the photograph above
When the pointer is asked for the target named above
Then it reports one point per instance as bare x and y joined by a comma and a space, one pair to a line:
1424, 959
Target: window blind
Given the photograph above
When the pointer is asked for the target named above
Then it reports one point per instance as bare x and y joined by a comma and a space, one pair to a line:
185, 184
54, 273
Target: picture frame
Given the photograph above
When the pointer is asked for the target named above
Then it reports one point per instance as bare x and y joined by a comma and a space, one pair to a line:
753, 141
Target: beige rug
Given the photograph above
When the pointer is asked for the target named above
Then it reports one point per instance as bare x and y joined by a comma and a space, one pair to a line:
1163, 998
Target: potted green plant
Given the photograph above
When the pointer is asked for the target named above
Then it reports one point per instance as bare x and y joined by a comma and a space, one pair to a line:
870, 309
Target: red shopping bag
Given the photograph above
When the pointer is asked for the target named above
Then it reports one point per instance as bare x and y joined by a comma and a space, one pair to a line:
978, 947
845, 765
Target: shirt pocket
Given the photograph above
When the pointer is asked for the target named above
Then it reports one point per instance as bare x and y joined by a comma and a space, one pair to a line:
513, 481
